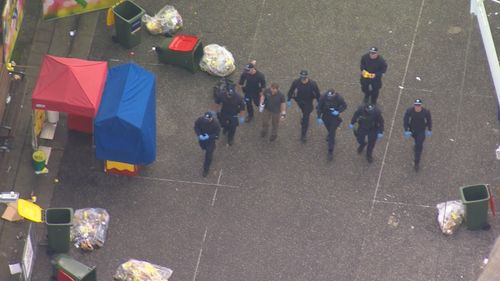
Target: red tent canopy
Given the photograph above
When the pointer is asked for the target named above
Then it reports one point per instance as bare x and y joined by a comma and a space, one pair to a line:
70, 85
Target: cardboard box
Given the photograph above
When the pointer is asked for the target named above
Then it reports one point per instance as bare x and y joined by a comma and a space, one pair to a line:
11, 214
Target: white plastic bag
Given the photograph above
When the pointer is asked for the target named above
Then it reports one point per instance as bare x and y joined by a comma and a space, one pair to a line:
166, 21
217, 60
135, 270
450, 215
89, 228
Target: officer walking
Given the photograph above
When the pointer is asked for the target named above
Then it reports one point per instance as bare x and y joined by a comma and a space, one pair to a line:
372, 66
369, 124
230, 108
330, 105
252, 83
207, 130
304, 90
417, 123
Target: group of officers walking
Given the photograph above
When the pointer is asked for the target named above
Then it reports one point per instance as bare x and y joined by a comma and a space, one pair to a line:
367, 121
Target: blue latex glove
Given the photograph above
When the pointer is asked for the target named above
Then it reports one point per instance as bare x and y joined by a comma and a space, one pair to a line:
407, 134
247, 100
320, 121
428, 133
289, 103
335, 113
351, 126
203, 137
380, 136
241, 119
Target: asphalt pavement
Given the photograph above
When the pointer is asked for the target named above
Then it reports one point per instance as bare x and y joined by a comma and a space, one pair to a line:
280, 211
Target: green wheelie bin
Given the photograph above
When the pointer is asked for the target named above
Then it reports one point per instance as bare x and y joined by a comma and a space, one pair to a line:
128, 23
475, 199
68, 269
59, 222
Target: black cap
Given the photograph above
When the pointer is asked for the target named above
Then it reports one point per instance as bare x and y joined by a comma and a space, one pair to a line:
303, 73
373, 50
418, 102
208, 115
249, 66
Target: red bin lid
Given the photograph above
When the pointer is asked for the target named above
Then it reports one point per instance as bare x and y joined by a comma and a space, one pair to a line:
62, 276
183, 43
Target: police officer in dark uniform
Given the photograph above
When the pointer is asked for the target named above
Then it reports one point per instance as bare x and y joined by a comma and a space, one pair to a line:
252, 83
330, 105
417, 123
372, 66
304, 90
369, 124
207, 130
229, 104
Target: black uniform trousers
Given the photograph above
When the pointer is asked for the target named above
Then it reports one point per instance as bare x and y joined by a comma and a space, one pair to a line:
370, 88
419, 138
228, 124
362, 135
209, 147
306, 108
331, 124
249, 99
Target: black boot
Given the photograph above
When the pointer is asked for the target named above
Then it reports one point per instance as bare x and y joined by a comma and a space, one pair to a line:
303, 138
369, 158
417, 166
360, 148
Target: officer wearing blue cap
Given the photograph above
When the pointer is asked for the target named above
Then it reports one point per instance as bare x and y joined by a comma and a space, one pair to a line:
367, 122
330, 105
372, 67
230, 108
417, 123
207, 131
252, 83
304, 90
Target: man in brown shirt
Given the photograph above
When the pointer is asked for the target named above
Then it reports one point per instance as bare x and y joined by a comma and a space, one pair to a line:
272, 104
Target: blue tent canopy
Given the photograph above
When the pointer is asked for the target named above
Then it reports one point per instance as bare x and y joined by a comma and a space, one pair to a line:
125, 125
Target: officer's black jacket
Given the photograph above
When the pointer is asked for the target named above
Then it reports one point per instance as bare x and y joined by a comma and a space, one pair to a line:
305, 92
417, 121
231, 106
205, 126
368, 121
377, 66
252, 84
327, 104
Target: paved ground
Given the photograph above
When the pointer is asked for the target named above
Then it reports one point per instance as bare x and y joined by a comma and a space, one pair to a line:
279, 211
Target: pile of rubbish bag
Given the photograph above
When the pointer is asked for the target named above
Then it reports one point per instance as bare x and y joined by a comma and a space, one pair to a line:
89, 228
450, 216
217, 60
167, 21
135, 270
